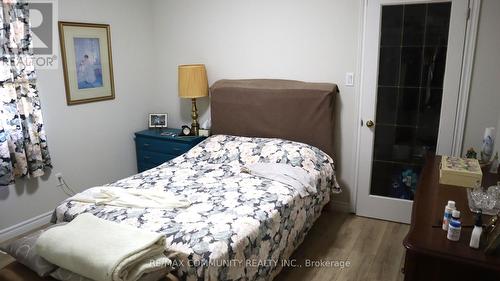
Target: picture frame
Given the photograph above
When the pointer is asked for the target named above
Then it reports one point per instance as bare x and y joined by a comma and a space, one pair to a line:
158, 120
87, 62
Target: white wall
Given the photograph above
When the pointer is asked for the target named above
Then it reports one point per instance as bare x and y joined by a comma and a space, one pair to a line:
91, 144
291, 39
484, 101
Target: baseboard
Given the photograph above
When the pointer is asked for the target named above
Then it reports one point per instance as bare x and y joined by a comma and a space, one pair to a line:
25, 226
341, 206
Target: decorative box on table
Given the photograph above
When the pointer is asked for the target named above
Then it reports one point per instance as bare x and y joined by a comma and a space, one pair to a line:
457, 171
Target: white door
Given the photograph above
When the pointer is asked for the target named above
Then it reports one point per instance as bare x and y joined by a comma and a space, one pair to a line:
412, 61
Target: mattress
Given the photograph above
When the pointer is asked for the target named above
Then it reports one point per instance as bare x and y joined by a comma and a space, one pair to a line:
239, 226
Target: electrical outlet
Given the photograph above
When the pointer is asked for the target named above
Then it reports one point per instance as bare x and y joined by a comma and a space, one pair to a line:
60, 178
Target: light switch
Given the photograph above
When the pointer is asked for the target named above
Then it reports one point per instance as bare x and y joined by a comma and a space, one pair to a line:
349, 79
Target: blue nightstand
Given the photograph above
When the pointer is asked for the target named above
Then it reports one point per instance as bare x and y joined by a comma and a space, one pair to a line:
153, 148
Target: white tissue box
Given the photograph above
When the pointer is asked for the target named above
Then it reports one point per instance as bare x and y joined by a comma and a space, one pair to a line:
203, 132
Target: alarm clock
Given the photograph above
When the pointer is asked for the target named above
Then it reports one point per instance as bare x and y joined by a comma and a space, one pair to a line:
185, 131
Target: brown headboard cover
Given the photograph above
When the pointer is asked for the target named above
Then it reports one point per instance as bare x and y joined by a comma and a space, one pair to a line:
286, 109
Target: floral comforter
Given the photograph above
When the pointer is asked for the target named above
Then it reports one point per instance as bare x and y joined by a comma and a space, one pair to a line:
239, 226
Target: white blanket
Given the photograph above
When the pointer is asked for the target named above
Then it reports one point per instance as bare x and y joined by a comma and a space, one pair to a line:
295, 177
102, 250
130, 197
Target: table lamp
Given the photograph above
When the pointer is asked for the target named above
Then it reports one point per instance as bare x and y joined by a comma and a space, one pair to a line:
193, 84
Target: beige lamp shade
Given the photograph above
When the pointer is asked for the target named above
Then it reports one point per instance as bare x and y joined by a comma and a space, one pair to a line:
193, 81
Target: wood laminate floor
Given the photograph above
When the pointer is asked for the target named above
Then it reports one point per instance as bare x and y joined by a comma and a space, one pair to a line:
372, 247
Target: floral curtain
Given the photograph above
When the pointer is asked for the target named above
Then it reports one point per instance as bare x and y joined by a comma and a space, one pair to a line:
23, 144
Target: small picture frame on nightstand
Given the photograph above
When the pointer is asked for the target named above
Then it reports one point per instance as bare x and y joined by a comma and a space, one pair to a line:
158, 120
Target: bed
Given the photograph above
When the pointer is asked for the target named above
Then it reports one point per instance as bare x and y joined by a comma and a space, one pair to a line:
239, 226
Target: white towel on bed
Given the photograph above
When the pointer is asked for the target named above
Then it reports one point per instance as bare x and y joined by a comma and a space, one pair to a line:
295, 177
103, 250
130, 197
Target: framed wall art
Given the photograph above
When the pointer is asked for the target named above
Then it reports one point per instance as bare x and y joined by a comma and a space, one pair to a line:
87, 62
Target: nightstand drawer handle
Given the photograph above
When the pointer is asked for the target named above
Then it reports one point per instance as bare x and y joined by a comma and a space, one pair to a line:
146, 144
147, 157
177, 149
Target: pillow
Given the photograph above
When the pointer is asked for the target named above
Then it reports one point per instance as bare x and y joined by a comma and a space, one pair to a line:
23, 250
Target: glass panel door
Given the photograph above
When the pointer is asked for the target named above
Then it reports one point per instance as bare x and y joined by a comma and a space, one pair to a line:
412, 60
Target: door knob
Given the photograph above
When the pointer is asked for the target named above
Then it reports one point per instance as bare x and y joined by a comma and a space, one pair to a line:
369, 123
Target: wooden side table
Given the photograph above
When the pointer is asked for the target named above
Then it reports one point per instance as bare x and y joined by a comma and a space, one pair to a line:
429, 254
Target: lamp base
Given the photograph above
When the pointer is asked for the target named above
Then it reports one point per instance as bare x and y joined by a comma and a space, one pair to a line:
195, 126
